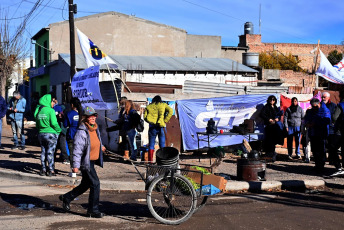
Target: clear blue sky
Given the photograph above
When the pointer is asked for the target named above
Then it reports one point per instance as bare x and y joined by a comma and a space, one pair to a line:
290, 21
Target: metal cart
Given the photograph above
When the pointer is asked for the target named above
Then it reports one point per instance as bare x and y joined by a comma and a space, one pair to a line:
172, 195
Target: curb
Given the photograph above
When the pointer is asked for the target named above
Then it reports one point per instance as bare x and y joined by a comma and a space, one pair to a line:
104, 184
267, 185
232, 186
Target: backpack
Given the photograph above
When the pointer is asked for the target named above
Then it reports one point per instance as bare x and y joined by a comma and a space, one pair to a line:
138, 122
140, 126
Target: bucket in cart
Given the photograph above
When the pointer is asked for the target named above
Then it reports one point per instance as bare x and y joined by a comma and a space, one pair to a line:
167, 156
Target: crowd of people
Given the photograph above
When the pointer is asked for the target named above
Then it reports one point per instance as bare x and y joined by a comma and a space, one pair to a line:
321, 128
76, 133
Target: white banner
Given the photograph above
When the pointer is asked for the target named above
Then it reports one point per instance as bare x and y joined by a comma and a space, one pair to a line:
331, 73
93, 55
85, 86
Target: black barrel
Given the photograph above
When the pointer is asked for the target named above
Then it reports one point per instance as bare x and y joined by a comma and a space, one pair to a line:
250, 170
167, 156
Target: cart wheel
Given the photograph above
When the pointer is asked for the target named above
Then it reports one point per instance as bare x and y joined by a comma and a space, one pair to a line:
201, 204
171, 200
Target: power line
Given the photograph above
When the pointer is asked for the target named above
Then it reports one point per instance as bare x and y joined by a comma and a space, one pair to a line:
57, 8
227, 15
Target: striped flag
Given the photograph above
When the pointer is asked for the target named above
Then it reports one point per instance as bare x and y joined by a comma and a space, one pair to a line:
93, 55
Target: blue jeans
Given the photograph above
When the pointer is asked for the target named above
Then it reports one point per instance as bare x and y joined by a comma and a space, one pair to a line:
48, 143
152, 133
0, 130
17, 128
132, 143
293, 132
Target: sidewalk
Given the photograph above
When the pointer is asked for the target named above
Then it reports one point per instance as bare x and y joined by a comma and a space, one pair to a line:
116, 175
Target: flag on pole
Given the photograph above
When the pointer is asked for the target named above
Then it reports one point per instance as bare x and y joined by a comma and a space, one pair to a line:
93, 55
331, 73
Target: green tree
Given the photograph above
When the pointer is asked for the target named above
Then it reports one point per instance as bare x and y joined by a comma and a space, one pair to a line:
334, 57
277, 60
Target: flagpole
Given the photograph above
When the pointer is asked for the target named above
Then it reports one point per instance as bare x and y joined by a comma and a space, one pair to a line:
125, 85
316, 60
114, 86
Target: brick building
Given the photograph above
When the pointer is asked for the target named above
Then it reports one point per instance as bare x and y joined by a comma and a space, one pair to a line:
305, 52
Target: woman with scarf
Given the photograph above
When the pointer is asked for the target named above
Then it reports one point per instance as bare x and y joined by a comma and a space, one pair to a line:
273, 126
292, 122
88, 152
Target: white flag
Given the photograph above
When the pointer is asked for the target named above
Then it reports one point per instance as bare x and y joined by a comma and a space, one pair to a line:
331, 73
93, 55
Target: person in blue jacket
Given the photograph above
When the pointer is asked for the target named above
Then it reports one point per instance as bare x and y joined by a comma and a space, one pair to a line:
317, 121
16, 109
3, 109
72, 122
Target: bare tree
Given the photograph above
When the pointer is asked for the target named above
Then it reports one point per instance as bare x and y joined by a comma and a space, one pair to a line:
12, 50
13, 45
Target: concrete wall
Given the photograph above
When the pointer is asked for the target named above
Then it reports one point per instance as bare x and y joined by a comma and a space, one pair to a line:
121, 34
203, 46
234, 54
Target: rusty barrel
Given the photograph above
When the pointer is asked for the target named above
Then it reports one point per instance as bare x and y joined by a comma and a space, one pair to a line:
250, 170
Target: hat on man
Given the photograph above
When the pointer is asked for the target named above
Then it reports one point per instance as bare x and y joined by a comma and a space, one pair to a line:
89, 111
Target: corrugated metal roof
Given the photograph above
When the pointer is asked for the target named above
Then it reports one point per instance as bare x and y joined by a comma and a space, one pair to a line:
230, 89
157, 63
213, 88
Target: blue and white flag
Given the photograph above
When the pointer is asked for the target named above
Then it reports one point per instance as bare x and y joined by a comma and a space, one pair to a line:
331, 73
93, 55
226, 112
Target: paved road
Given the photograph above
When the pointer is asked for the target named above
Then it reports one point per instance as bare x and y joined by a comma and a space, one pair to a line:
29, 206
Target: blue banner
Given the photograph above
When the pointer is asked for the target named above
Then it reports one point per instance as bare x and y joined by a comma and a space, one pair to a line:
226, 112
85, 86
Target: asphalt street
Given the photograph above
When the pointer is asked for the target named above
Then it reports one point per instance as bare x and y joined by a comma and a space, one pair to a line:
26, 205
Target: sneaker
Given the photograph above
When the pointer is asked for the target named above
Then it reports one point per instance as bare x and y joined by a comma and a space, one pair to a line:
298, 157
307, 161
66, 162
95, 214
22, 147
340, 172
290, 158
51, 173
14, 147
42, 172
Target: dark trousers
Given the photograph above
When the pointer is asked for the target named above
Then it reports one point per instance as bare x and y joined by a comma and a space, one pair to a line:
70, 146
62, 146
90, 181
319, 152
334, 142
270, 139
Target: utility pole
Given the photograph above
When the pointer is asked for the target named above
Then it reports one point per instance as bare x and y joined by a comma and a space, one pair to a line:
72, 10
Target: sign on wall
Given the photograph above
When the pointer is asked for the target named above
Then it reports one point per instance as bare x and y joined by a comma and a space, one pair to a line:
85, 86
226, 112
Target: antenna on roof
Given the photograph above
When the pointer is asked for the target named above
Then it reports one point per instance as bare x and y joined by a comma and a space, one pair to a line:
260, 19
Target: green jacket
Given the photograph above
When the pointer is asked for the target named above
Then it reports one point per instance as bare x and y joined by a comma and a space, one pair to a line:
46, 121
158, 114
